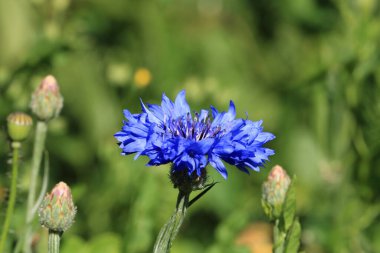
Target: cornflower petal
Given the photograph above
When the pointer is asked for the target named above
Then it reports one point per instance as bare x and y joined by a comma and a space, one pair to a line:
217, 163
181, 107
150, 116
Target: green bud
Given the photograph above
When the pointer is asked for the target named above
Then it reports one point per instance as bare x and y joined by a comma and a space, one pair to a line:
274, 191
19, 125
57, 210
47, 101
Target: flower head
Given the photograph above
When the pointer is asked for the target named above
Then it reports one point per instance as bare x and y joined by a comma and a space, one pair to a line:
57, 210
170, 133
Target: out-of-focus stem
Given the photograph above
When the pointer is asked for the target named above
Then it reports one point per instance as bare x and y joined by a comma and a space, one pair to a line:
39, 145
12, 198
278, 238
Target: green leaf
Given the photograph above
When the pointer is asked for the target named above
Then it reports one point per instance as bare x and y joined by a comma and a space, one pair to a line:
289, 208
206, 189
293, 237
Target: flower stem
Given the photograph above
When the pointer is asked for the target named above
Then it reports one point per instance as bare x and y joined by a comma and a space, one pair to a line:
12, 198
53, 241
278, 238
169, 231
39, 145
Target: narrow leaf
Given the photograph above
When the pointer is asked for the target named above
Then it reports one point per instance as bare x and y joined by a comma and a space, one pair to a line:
289, 207
293, 238
207, 188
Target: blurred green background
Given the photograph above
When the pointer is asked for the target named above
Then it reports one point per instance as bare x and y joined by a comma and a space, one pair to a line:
309, 68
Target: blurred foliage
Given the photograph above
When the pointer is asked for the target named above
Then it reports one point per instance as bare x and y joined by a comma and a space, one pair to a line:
308, 68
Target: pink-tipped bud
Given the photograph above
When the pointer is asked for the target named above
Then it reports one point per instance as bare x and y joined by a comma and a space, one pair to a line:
47, 101
57, 210
274, 191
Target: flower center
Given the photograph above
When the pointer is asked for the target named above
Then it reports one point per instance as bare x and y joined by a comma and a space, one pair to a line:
192, 128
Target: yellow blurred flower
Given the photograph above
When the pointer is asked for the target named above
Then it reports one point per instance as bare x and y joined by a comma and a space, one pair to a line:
257, 237
142, 77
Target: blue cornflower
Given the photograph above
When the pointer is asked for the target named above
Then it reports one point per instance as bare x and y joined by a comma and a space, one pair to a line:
170, 133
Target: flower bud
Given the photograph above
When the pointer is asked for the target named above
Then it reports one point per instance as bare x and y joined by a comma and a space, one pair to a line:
274, 191
19, 125
47, 101
57, 210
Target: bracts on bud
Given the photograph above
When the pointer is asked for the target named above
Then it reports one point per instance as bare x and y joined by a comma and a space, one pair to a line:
274, 191
47, 101
57, 210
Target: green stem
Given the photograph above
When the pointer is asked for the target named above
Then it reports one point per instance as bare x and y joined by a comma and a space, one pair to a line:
53, 241
169, 231
39, 145
12, 198
278, 238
